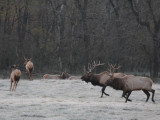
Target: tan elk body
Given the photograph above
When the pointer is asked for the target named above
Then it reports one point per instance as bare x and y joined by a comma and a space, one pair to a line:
137, 83
29, 67
63, 75
74, 78
131, 83
14, 77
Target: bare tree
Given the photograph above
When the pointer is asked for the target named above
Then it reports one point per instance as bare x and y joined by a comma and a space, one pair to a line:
151, 21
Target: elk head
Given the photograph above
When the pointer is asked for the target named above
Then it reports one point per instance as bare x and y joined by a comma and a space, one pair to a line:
26, 60
13, 67
88, 74
111, 70
65, 75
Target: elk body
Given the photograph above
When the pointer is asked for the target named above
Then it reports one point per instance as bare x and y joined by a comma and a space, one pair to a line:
74, 78
132, 83
29, 67
63, 75
14, 77
99, 79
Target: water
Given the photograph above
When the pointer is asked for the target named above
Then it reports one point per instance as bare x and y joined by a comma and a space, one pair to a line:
72, 100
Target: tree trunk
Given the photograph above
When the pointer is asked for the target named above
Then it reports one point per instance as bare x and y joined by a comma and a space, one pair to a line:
155, 57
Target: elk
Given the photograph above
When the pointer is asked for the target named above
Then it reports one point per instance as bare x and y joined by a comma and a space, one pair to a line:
74, 78
29, 67
14, 77
63, 75
131, 83
96, 79
101, 78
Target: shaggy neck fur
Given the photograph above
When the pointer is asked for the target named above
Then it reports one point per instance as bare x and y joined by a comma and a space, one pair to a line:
95, 80
117, 84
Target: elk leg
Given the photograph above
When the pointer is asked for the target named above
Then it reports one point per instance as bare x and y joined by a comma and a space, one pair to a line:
153, 91
28, 74
16, 83
11, 86
147, 93
31, 76
129, 92
14, 86
125, 94
103, 89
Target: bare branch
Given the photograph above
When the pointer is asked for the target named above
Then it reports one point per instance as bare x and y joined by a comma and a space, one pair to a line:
143, 23
150, 7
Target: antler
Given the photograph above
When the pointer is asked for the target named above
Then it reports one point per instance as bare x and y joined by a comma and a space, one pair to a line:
112, 68
25, 58
92, 65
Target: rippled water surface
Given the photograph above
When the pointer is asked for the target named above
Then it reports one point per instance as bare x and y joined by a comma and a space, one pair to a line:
72, 100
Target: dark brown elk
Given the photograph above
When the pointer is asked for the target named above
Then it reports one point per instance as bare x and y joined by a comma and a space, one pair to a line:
101, 78
96, 79
131, 83
29, 67
14, 77
63, 75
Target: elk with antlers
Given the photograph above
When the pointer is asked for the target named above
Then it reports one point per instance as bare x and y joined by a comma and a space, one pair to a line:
29, 67
101, 78
131, 83
14, 77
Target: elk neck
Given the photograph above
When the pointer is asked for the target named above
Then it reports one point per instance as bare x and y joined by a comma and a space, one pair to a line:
116, 83
94, 80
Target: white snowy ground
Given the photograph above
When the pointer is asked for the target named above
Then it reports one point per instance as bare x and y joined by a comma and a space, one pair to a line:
73, 100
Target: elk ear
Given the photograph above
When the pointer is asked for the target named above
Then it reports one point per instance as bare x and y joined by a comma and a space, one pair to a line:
25, 58
30, 59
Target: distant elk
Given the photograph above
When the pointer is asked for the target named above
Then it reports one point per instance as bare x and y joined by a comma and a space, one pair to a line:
101, 78
14, 77
29, 67
64, 75
74, 78
131, 83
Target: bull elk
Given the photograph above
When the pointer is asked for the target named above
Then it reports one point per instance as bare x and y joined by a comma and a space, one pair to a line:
101, 78
96, 79
131, 83
29, 67
63, 75
14, 77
